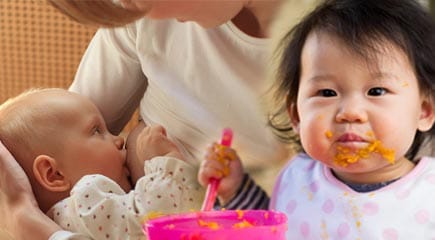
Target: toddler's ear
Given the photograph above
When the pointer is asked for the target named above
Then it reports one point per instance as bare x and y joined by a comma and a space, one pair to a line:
427, 116
47, 173
294, 118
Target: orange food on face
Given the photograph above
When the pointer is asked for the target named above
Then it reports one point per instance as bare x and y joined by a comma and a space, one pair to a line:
345, 156
370, 134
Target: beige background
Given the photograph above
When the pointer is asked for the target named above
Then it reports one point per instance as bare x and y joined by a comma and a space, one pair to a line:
39, 47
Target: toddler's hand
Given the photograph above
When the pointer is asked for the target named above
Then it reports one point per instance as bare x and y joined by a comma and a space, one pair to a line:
222, 163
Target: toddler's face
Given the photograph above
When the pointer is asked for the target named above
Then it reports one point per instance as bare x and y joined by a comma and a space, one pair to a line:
349, 108
88, 146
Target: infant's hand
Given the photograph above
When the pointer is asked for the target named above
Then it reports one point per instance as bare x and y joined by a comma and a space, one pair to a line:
222, 163
144, 143
153, 142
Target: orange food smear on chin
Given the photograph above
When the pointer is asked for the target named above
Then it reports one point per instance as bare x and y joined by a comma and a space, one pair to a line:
346, 156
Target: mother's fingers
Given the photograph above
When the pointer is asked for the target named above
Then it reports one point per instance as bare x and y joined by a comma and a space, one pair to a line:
11, 173
13, 185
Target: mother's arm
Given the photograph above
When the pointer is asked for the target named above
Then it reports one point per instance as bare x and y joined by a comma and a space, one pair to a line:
20, 214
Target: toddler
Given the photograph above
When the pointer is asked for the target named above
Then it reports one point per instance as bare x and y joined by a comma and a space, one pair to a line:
357, 79
79, 171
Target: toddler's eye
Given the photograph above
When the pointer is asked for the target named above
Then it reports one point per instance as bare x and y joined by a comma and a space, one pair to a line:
327, 93
377, 91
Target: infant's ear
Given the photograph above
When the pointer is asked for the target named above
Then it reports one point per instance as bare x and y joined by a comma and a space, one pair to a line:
49, 176
427, 116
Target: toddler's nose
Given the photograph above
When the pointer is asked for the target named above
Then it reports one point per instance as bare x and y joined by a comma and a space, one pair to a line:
351, 111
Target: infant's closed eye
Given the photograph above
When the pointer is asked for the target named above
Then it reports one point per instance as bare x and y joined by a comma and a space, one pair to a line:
97, 130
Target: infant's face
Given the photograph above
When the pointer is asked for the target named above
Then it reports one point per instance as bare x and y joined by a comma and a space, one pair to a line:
347, 105
88, 147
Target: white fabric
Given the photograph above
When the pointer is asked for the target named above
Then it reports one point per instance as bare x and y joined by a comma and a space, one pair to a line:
99, 209
66, 235
319, 206
199, 81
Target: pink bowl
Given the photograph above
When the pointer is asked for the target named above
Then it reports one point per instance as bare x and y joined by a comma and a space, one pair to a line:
218, 225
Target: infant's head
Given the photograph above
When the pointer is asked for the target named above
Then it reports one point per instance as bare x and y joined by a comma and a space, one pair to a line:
58, 137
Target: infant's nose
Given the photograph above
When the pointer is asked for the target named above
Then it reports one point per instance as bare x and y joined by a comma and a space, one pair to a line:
160, 129
119, 142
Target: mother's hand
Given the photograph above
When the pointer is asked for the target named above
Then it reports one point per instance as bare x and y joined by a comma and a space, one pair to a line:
13, 186
19, 211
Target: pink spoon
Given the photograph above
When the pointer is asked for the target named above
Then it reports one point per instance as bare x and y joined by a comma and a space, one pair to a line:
211, 193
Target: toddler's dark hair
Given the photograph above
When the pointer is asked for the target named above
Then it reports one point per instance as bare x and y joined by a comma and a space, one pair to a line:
361, 25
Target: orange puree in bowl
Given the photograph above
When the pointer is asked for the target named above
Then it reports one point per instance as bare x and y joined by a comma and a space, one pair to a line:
152, 215
239, 214
345, 156
193, 236
211, 225
215, 226
243, 224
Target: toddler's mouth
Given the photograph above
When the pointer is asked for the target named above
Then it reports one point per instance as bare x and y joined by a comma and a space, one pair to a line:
352, 151
350, 137
351, 142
